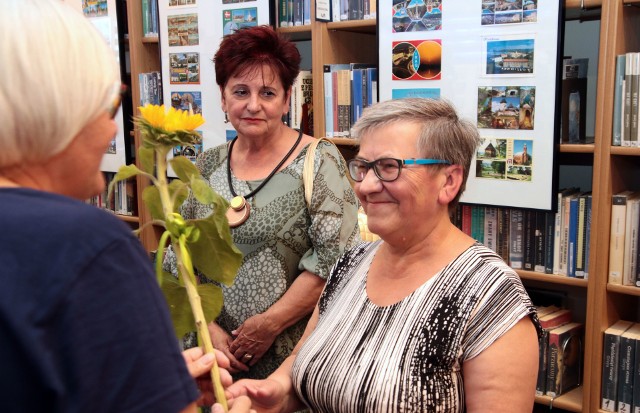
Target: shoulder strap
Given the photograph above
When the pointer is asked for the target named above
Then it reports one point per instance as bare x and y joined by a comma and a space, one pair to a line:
307, 169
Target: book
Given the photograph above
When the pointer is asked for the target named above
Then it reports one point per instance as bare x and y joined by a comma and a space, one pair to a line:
636, 375
563, 268
559, 253
516, 239
549, 246
283, 11
477, 222
344, 102
587, 241
490, 227
502, 243
574, 100
528, 240
630, 239
550, 317
626, 367
539, 239
572, 236
617, 101
616, 239
564, 367
466, 219
632, 138
628, 85
610, 360
372, 86
581, 236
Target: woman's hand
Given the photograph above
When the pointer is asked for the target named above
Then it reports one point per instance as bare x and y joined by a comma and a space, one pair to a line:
253, 338
199, 365
267, 396
241, 404
221, 341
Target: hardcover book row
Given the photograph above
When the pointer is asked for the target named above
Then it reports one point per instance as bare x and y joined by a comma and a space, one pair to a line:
539, 241
620, 369
625, 104
623, 242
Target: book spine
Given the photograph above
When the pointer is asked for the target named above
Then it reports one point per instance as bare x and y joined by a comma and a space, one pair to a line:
587, 241
528, 240
550, 224
490, 228
557, 236
306, 12
466, 219
539, 239
625, 373
356, 95
610, 372
617, 100
636, 376
328, 102
627, 99
573, 237
630, 242
516, 235
334, 94
146, 17
477, 223
580, 237
616, 240
282, 13
503, 233
552, 364
635, 85
344, 102
543, 345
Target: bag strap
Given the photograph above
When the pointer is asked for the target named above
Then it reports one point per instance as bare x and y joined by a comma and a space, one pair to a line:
307, 170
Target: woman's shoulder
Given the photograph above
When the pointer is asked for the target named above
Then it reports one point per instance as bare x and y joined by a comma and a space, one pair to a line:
211, 159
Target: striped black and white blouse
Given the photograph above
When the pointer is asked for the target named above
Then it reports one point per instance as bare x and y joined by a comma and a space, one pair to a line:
405, 357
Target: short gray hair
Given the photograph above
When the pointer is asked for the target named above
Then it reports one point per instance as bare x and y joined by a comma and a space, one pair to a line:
58, 74
444, 134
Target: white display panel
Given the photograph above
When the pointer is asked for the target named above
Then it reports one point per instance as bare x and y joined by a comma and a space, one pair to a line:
497, 62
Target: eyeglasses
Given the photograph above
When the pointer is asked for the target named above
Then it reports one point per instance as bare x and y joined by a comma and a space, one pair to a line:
386, 169
117, 102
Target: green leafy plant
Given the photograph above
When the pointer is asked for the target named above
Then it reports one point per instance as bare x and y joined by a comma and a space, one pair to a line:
203, 243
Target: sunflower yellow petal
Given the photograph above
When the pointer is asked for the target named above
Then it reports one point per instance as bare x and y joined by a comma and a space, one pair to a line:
153, 114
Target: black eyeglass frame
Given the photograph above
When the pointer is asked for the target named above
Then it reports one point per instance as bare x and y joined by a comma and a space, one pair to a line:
401, 162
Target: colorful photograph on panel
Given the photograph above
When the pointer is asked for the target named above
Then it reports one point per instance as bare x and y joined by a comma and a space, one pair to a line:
189, 101
416, 15
417, 60
112, 147
174, 3
505, 159
190, 152
184, 68
183, 30
506, 107
509, 57
230, 134
416, 93
235, 19
95, 8
509, 11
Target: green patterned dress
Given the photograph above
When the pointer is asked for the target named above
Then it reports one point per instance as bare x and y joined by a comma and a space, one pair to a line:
281, 238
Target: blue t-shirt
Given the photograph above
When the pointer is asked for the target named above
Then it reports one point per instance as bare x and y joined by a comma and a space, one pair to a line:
83, 324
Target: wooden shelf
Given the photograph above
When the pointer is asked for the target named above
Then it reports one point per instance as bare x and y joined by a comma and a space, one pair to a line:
619, 150
577, 148
624, 289
129, 218
360, 26
344, 141
150, 39
552, 278
296, 33
571, 401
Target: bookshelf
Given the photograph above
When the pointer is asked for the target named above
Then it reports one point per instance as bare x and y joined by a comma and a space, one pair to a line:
612, 168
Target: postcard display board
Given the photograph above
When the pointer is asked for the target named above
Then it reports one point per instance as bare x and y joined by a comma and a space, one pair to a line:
497, 61
190, 34
102, 13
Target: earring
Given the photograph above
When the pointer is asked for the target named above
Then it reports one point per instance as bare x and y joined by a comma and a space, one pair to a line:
226, 118
284, 119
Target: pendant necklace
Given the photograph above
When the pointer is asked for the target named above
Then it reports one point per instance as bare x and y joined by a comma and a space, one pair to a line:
238, 211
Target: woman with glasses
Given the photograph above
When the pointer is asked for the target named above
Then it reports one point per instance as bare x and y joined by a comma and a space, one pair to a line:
83, 324
426, 319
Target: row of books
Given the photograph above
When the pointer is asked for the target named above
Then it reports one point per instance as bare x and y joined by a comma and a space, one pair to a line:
122, 200
349, 88
625, 104
540, 241
150, 18
624, 253
150, 88
293, 13
301, 103
561, 352
620, 369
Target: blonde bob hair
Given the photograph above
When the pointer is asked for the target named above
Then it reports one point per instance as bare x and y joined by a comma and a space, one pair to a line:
58, 74
444, 134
